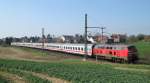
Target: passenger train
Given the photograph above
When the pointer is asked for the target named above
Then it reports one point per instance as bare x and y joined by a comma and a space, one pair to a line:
123, 53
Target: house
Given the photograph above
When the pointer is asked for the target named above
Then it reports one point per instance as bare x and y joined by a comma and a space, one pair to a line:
66, 39
118, 38
101, 39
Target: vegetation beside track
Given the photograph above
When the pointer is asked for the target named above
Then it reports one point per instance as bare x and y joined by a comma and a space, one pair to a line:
28, 77
3, 80
84, 72
30, 54
71, 69
144, 51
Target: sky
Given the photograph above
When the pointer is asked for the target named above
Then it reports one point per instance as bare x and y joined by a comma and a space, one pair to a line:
66, 17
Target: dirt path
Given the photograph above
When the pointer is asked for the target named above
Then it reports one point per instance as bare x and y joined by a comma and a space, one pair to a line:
53, 79
17, 79
132, 69
12, 77
47, 77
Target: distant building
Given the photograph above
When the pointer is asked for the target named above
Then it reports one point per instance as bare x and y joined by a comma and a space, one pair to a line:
66, 39
118, 38
100, 39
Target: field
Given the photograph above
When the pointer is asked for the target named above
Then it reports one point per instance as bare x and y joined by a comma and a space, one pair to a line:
144, 51
25, 65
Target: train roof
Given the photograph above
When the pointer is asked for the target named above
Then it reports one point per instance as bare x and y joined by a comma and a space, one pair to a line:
115, 44
76, 44
82, 44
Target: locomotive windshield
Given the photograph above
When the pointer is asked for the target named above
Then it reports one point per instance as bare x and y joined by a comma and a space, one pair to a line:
132, 48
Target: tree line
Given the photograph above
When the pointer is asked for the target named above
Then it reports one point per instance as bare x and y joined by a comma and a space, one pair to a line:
51, 39
139, 37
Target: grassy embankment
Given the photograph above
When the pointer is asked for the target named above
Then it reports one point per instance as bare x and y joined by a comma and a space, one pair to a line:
144, 52
67, 69
85, 72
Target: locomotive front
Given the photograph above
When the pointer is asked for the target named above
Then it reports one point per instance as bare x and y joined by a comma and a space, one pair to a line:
123, 53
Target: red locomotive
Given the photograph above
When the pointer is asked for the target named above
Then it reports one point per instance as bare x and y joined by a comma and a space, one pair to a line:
123, 53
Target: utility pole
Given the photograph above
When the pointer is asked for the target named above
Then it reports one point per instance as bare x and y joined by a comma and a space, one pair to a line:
43, 39
85, 41
102, 28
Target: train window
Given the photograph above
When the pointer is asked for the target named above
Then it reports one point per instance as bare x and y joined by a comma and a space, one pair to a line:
78, 48
75, 48
82, 49
110, 47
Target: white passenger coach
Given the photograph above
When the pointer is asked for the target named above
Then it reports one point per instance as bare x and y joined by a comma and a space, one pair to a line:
62, 47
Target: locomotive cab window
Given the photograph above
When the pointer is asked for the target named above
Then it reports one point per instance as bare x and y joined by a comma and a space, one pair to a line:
132, 48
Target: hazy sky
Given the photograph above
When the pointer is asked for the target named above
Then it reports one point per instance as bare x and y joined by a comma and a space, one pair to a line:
27, 17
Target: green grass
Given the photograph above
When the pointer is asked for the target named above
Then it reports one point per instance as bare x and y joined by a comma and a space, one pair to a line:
77, 71
25, 75
34, 52
3, 80
80, 72
144, 51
